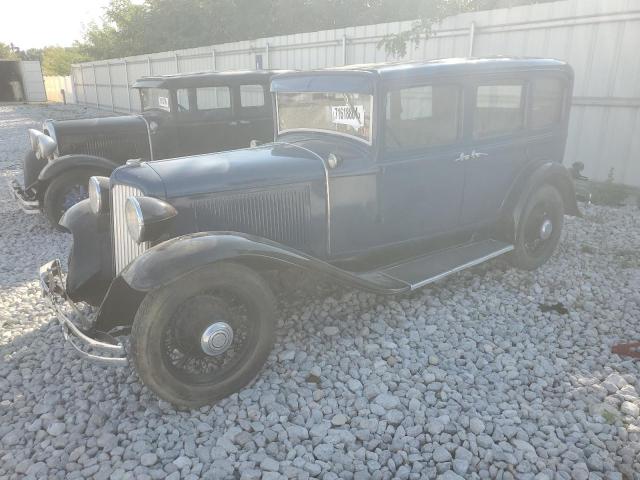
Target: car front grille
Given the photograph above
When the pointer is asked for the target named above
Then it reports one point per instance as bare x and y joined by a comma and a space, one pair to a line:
125, 249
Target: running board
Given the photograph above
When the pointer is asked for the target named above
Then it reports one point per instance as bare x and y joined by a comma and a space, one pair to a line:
421, 271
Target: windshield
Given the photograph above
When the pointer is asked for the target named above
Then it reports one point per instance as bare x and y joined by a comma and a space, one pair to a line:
334, 112
154, 99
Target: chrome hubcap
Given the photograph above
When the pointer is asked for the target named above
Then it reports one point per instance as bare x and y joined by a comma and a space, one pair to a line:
546, 229
216, 339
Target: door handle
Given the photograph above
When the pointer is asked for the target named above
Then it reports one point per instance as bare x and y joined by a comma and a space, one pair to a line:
233, 123
462, 157
244, 122
475, 154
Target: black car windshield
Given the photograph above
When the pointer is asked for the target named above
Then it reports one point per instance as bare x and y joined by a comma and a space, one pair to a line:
155, 99
347, 114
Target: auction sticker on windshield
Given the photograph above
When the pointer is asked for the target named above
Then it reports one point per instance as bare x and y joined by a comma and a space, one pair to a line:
163, 102
352, 116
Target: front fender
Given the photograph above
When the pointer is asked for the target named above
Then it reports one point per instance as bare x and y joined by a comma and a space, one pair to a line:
90, 257
175, 258
61, 164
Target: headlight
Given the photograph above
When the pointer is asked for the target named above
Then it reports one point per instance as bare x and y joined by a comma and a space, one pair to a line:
148, 218
99, 194
42, 145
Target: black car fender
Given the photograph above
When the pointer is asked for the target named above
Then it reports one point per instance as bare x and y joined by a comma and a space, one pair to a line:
62, 164
175, 258
90, 258
531, 178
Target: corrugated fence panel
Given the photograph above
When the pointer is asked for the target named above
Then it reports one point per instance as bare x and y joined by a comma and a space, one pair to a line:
599, 39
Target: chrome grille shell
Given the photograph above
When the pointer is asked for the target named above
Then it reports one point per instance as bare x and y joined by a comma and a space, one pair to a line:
125, 249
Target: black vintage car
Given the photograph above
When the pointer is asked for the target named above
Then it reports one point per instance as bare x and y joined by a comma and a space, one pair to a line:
185, 114
384, 178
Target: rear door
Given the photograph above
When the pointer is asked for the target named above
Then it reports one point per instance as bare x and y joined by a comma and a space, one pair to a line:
255, 120
32, 81
497, 146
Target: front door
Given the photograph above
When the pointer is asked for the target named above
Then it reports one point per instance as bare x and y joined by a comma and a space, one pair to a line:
421, 177
255, 118
208, 123
497, 147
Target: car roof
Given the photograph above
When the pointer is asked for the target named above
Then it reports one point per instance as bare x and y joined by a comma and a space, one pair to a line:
199, 79
361, 78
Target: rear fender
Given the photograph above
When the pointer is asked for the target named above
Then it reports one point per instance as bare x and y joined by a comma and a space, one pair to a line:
529, 180
62, 164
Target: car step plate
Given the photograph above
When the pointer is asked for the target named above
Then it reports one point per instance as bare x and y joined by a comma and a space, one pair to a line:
430, 268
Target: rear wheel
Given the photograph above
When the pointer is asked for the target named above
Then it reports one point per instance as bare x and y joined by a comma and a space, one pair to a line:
539, 228
63, 192
204, 337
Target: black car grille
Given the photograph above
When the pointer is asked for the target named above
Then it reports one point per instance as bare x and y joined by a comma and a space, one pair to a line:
280, 215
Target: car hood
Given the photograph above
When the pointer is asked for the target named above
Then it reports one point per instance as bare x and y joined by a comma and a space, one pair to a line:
264, 166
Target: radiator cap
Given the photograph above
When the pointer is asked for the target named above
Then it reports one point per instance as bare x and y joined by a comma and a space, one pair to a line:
134, 162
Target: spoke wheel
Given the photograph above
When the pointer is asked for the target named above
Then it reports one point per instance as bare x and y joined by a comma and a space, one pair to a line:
539, 229
63, 192
204, 336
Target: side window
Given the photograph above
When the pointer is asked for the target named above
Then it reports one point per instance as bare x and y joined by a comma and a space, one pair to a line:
213, 98
499, 110
425, 116
547, 100
182, 95
252, 95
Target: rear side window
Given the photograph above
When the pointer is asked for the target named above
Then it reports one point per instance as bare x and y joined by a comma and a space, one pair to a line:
425, 116
251, 95
547, 100
213, 98
499, 110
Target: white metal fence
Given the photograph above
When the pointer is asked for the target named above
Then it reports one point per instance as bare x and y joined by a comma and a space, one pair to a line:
600, 39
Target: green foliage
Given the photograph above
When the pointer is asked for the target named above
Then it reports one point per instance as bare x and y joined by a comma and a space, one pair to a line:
609, 192
58, 60
7, 52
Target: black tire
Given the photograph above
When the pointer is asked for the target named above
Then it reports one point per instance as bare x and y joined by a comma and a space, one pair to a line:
158, 336
60, 195
532, 249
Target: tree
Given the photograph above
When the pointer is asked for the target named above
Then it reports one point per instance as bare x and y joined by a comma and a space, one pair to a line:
58, 60
8, 52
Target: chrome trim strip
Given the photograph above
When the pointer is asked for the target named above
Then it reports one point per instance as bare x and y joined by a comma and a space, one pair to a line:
146, 122
464, 266
52, 286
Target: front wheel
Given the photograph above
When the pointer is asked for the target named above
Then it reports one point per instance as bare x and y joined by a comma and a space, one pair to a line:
63, 192
205, 336
539, 228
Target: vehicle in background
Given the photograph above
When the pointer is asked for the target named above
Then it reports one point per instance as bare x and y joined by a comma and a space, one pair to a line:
383, 177
185, 114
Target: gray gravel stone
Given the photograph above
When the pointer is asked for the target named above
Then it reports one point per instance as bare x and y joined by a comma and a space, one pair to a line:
470, 368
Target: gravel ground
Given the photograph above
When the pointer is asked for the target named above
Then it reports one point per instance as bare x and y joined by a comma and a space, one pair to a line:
467, 379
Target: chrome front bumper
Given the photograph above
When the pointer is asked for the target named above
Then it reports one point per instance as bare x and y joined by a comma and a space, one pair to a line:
27, 205
98, 347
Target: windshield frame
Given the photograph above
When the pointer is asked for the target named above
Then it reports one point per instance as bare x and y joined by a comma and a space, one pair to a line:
372, 107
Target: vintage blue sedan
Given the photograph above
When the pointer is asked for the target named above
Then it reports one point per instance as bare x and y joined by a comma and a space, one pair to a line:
381, 177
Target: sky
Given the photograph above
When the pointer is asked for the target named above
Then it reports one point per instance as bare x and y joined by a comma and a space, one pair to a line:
36, 23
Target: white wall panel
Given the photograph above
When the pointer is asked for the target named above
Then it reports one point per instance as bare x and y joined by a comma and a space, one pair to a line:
598, 39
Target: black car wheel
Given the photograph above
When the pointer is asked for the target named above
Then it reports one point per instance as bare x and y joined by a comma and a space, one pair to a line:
63, 192
205, 336
539, 229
